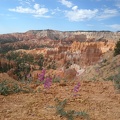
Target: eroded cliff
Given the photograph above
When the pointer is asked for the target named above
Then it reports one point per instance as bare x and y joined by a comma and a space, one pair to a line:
62, 35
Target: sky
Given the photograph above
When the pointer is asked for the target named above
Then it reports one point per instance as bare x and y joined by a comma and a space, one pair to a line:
62, 15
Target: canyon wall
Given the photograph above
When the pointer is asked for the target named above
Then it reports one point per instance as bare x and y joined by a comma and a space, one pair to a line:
88, 53
80, 53
66, 48
61, 35
78, 35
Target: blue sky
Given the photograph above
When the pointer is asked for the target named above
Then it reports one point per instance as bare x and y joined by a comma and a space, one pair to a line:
63, 15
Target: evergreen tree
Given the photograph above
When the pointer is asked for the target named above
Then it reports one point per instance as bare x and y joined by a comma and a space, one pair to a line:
117, 48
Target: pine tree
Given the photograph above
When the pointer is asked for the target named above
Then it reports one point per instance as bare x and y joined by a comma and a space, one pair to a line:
117, 48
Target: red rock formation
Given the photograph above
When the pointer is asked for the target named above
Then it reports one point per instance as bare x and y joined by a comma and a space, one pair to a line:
81, 53
90, 52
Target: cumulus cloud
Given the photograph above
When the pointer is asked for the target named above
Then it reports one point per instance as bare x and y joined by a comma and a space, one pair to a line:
80, 14
107, 13
76, 14
67, 3
37, 11
36, 6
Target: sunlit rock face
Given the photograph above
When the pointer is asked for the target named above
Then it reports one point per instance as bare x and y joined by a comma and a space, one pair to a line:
80, 53
87, 53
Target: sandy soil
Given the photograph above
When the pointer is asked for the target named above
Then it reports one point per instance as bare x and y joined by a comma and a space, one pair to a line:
98, 99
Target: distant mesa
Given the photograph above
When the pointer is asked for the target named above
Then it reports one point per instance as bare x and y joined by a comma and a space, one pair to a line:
79, 35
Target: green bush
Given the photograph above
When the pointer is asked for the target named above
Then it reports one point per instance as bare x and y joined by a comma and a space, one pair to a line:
110, 78
4, 89
117, 48
116, 80
70, 114
7, 88
56, 80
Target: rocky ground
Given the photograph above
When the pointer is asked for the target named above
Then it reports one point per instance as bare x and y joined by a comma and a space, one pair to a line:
98, 99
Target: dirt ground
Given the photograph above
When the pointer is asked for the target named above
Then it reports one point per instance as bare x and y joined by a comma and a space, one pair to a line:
96, 98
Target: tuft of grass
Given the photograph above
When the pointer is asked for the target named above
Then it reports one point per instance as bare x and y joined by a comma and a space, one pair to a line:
56, 80
70, 114
110, 78
4, 89
7, 88
116, 81
16, 88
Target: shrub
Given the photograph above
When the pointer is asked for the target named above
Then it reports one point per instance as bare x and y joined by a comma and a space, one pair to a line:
110, 78
70, 114
4, 89
56, 80
116, 80
117, 48
41, 61
7, 88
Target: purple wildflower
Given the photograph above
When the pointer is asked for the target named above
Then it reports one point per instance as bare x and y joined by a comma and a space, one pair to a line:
28, 76
43, 71
46, 80
41, 76
76, 88
47, 83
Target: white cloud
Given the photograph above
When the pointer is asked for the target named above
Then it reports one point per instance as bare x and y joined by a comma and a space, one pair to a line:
26, 2
76, 14
74, 7
114, 26
108, 13
37, 11
67, 3
36, 6
20, 9
54, 11
80, 14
